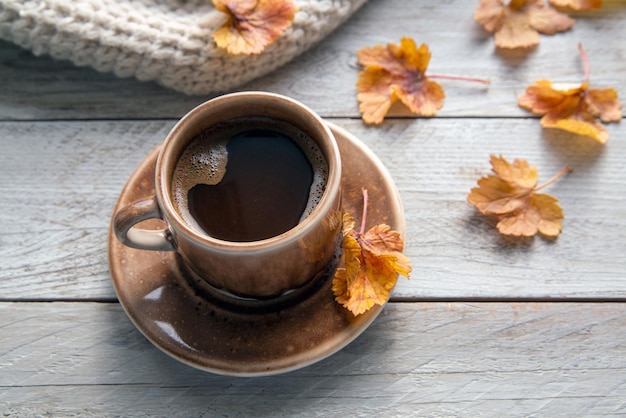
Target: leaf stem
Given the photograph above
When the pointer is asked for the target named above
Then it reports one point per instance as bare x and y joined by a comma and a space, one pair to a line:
364, 217
461, 78
553, 179
585, 58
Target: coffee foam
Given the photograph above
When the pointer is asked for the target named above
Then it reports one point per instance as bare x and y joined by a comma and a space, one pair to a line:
205, 160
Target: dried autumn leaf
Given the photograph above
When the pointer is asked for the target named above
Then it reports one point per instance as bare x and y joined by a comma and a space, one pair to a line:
511, 195
252, 24
395, 72
573, 107
581, 5
373, 260
519, 23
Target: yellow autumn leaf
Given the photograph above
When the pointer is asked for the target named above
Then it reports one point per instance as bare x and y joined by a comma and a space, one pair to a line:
582, 5
372, 262
518, 23
398, 72
511, 195
573, 108
252, 25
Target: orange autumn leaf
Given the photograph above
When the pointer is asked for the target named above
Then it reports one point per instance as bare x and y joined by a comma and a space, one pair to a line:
372, 262
396, 72
511, 195
582, 5
519, 23
573, 107
252, 25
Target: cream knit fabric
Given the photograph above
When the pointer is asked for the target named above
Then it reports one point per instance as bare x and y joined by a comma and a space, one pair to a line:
168, 41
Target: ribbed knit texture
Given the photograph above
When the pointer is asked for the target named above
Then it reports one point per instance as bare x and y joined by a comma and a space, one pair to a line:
168, 41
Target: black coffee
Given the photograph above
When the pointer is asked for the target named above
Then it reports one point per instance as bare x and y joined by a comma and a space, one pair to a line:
249, 179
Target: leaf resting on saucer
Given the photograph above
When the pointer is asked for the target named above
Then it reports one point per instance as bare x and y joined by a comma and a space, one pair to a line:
252, 24
373, 261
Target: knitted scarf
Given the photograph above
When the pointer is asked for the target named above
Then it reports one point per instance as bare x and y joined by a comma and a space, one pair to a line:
167, 41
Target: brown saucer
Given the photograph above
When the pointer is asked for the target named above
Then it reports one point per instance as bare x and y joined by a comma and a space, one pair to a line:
185, 322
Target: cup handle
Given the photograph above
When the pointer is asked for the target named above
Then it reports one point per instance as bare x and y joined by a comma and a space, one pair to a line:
128, 234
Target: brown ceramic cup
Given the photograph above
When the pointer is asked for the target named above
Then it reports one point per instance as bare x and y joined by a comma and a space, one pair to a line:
260, 269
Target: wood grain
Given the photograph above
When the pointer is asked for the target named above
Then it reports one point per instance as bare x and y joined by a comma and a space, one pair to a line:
324, 77
521, 359
55, 224
475, 332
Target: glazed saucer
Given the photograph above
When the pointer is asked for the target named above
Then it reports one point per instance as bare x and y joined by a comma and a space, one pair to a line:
166, 305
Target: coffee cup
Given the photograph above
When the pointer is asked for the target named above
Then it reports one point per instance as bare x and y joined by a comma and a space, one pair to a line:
248, 187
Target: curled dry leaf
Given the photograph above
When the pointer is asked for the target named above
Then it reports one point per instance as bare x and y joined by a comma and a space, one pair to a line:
581, 5
573, 107
373, 260
519, 23
511, 195
395, 72
252, 25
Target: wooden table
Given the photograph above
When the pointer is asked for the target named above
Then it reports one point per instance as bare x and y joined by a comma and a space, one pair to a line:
487, 325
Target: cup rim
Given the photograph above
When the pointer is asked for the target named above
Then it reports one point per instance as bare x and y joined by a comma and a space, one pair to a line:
175, 220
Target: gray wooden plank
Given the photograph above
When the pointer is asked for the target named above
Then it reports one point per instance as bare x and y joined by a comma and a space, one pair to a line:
60, 183
325, 76
453, 359
55, 224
